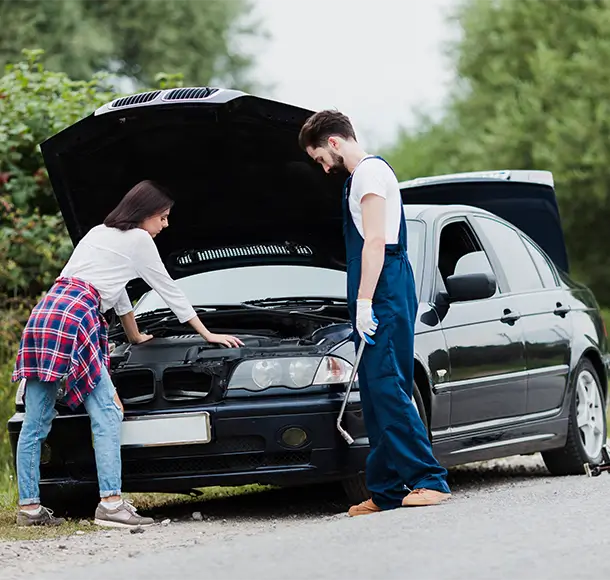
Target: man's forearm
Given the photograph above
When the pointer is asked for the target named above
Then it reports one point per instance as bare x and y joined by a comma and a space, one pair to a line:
373, 255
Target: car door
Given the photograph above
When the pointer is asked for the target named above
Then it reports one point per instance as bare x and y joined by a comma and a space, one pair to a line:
544, 310
487, 378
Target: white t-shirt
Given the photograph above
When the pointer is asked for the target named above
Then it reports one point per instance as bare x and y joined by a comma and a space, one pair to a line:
108, 258
373, 175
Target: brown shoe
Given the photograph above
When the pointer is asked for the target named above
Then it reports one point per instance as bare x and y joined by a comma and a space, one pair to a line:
422, 496
363, 509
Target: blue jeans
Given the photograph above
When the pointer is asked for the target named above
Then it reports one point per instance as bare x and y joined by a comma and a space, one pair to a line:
106, 417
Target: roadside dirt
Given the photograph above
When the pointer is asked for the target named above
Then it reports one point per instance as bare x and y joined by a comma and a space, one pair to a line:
187, 524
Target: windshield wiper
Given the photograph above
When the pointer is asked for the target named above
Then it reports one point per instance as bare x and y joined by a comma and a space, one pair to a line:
297, 300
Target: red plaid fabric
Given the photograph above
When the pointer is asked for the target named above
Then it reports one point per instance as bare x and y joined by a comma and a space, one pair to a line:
65, 337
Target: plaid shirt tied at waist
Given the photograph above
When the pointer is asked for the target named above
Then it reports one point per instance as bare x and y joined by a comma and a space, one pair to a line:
66, 337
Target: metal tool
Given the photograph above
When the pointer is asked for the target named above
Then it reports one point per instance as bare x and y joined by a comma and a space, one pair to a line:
341, 430
595, 470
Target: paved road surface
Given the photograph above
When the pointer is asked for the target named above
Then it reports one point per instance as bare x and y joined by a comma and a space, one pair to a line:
506, 522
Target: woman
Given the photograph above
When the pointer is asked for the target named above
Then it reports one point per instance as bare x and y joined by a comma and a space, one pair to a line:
66, 337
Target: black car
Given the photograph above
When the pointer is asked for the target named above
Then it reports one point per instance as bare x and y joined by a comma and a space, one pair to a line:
511, 354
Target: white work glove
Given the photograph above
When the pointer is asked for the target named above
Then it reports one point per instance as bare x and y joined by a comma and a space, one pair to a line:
366, 323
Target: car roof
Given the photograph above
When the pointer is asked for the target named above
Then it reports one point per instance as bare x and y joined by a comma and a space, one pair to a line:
431, 212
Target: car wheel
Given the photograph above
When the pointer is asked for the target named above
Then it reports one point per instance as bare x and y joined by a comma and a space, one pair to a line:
355, 487
587, 427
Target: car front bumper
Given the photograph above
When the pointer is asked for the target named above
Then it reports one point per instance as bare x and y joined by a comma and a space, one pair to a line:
246, 447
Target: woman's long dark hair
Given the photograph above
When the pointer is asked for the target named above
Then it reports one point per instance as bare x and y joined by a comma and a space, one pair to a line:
143, 200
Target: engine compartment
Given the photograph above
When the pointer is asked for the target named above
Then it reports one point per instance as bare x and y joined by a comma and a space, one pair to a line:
178, 367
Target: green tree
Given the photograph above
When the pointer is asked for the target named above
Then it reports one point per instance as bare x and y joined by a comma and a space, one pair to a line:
532, 90
34, 104
134, 38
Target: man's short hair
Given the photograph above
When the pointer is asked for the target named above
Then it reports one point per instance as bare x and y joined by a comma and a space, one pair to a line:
322, 125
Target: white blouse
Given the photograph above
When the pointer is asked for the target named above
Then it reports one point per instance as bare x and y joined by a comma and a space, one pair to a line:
108, 258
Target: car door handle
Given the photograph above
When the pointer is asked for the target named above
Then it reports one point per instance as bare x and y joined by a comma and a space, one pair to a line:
509, 316
561, 310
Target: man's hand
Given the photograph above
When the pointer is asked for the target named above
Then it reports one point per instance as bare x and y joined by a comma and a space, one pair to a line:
366, 323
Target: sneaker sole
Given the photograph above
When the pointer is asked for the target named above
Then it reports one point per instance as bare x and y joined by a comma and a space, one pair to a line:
110, 524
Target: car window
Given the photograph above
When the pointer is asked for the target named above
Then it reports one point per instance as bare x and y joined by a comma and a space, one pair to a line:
542, 263
515, 260
459, 252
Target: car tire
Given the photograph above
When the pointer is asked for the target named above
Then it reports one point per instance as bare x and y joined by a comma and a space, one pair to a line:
587, 428
74, 504
355, 487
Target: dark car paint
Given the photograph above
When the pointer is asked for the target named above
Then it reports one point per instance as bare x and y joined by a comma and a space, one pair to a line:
469, 421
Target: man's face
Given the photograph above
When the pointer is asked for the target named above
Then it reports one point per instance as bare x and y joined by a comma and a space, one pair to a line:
328, 158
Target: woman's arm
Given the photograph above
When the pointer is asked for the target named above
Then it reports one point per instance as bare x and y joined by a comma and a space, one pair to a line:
152, 270
131, 329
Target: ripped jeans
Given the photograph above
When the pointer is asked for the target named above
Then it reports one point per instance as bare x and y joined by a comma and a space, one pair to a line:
106, 417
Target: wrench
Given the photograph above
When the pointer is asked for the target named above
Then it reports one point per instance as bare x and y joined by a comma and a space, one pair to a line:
341, 430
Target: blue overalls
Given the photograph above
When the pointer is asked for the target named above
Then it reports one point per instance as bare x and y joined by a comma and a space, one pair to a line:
400, 456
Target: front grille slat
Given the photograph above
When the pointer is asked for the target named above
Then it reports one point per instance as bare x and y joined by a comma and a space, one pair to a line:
184, 384
190, 93
137, 99
201, 465
134, 387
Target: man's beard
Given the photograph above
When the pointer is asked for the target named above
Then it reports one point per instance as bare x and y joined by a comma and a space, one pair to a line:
338, 165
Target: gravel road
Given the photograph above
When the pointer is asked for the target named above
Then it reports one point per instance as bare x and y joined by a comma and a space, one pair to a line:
508, 519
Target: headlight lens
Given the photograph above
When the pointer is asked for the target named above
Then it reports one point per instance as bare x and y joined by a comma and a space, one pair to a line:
266, 373
290, 372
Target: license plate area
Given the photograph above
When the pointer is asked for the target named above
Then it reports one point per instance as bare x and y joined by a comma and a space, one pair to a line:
162, 430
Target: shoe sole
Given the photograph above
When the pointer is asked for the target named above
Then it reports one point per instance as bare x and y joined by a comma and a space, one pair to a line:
110, 524
437, 502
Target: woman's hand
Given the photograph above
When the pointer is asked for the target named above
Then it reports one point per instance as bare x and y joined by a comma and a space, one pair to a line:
140, 338
225, 339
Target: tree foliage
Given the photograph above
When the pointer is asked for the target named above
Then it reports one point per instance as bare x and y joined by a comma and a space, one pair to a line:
34, 104
531, 92
134, 38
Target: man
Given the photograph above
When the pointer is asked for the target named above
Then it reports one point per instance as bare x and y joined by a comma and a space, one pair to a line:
383, 305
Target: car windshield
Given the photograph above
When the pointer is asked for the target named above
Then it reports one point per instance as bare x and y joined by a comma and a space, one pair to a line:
237, 285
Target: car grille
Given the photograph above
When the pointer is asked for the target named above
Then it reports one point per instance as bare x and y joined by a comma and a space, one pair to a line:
201, 465
135, 99
134, 387
214, 463
186, 384
188, 93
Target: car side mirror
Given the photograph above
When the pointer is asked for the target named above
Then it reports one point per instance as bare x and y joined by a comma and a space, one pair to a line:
467, 287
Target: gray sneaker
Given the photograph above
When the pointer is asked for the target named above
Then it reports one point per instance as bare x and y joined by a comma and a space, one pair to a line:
125, 516
44, 518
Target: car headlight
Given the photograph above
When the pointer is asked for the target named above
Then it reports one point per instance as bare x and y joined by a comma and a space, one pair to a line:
290, 372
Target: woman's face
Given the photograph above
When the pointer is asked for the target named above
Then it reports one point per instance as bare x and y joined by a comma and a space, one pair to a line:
156, 223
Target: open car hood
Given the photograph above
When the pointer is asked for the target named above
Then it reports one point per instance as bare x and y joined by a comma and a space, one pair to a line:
245, 192
524, 198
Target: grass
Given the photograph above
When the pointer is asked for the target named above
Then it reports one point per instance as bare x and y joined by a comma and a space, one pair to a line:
146, 502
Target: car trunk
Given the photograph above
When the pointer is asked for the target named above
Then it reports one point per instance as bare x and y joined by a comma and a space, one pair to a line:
530, 206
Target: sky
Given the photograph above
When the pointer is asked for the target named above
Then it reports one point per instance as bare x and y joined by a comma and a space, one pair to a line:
375, 60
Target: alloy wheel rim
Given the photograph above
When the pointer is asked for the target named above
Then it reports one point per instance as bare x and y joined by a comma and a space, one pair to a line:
590, 414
